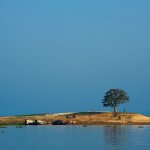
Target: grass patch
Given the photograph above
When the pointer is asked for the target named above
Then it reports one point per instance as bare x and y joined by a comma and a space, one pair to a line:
87, 113
31, 115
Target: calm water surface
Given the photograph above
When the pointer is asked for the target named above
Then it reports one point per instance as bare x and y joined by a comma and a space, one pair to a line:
75, 138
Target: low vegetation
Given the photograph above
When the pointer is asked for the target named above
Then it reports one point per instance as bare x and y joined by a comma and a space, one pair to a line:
80, 118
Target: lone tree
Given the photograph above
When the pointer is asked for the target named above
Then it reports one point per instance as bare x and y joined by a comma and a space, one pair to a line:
115, 97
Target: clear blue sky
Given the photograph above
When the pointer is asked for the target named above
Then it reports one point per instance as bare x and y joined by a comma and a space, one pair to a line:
63, 55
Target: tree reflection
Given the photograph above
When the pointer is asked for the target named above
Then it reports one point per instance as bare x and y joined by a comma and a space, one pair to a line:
114, 136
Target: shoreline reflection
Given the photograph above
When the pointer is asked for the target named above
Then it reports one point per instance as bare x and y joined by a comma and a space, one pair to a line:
114, 136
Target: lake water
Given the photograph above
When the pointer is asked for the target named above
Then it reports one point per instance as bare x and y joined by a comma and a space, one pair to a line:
75, 138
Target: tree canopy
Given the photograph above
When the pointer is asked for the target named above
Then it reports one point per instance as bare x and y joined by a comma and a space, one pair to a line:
115, 97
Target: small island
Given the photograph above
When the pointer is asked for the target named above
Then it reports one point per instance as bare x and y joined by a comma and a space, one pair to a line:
79, 118
112, 98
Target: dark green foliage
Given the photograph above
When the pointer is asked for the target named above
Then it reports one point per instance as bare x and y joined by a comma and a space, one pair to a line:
114, 97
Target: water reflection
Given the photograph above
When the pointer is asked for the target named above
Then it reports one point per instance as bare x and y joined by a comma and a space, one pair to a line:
75, 138
114, 136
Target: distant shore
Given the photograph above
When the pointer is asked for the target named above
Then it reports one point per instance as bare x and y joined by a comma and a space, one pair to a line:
81, 118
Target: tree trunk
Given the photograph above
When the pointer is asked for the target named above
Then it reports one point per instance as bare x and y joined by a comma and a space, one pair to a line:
115, 110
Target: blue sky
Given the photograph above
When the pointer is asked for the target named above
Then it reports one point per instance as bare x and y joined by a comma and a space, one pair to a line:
58, 56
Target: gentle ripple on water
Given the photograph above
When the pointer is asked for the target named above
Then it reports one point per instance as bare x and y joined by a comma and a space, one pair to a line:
75, 138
